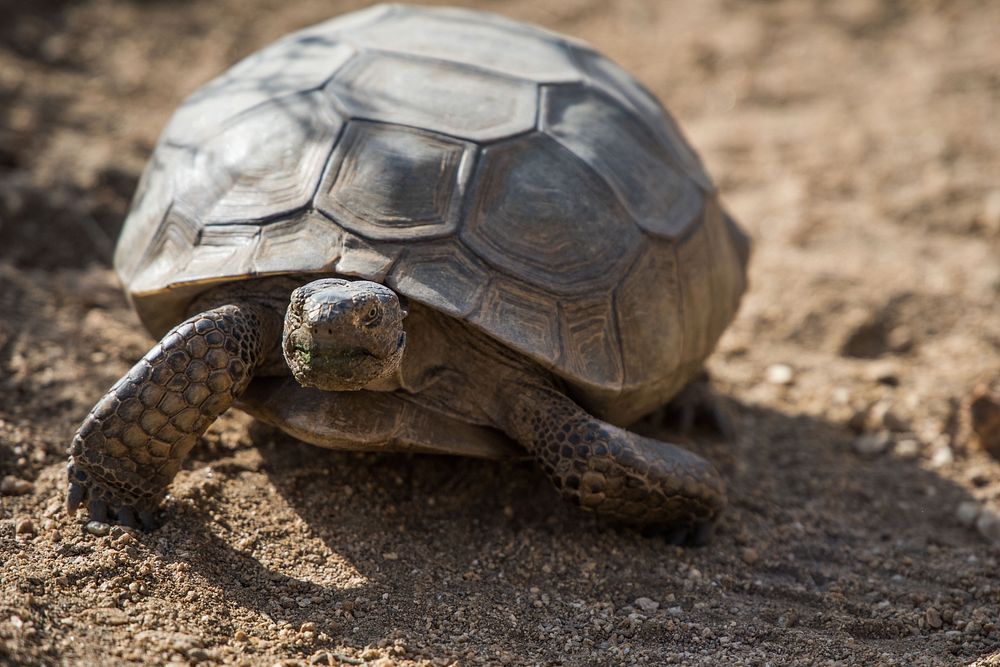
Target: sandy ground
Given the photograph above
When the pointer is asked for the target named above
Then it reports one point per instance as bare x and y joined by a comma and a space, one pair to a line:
857, 140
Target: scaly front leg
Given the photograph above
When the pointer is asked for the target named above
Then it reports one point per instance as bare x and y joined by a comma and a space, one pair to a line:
134, 441
613, 472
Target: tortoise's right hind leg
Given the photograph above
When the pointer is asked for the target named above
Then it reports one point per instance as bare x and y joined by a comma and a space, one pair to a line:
134, 441
697, 404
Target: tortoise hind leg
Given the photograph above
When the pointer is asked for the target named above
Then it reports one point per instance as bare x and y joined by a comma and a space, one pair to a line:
698, 404
134, 441
613, 472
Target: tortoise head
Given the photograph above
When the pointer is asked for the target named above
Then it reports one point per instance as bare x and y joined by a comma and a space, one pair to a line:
342, 334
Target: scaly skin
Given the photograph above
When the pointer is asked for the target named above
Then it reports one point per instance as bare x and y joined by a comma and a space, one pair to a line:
613, 472
134, 441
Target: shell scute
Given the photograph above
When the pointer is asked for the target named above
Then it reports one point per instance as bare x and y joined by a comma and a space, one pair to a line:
659, 196
443, 274
540, 213
395, 183
616, 81
435, 95
519, 315
265, 163
486, 41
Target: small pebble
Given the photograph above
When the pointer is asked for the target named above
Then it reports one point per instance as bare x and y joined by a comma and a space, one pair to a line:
942, 456
988, 524
933, 618
97, 528
749, 555
647, 605
871, 444
967, 513
907, 448
24, 527
781, 374
15, 486
240, 636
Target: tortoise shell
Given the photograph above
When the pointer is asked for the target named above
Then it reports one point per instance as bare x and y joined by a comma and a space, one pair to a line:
496, 172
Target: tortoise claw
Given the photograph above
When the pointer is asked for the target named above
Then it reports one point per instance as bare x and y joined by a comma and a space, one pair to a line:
83, 491
75, 496
698, 405
98, 511
147, 520
126, 517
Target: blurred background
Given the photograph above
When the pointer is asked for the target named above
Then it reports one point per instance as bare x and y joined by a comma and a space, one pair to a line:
857, 140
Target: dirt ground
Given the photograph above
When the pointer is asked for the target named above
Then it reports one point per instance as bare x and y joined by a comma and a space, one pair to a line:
859, 143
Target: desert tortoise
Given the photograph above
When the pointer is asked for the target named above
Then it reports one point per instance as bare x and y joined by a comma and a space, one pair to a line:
560, 258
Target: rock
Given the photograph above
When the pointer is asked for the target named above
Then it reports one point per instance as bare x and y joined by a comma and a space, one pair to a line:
942, 456
883, 416
988, 524
908, 448
983, 414
780, 374
858, 420
933, 618
109, 616
24, 527
15, 486
749, 555
97, 528
647, 605
198, 655
967, 513
871, 444
840, 396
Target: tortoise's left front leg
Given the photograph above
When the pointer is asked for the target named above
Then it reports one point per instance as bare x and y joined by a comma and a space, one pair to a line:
613, 472
134, 441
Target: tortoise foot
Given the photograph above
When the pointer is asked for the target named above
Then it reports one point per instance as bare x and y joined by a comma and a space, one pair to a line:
698, 405
102, 503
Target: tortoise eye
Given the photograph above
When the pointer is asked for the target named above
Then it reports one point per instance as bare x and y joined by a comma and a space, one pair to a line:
373, 316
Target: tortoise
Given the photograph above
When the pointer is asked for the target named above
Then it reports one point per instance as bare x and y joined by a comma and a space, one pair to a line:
424, 230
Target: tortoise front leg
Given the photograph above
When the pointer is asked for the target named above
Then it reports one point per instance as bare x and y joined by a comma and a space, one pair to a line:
134, 441
614, 472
